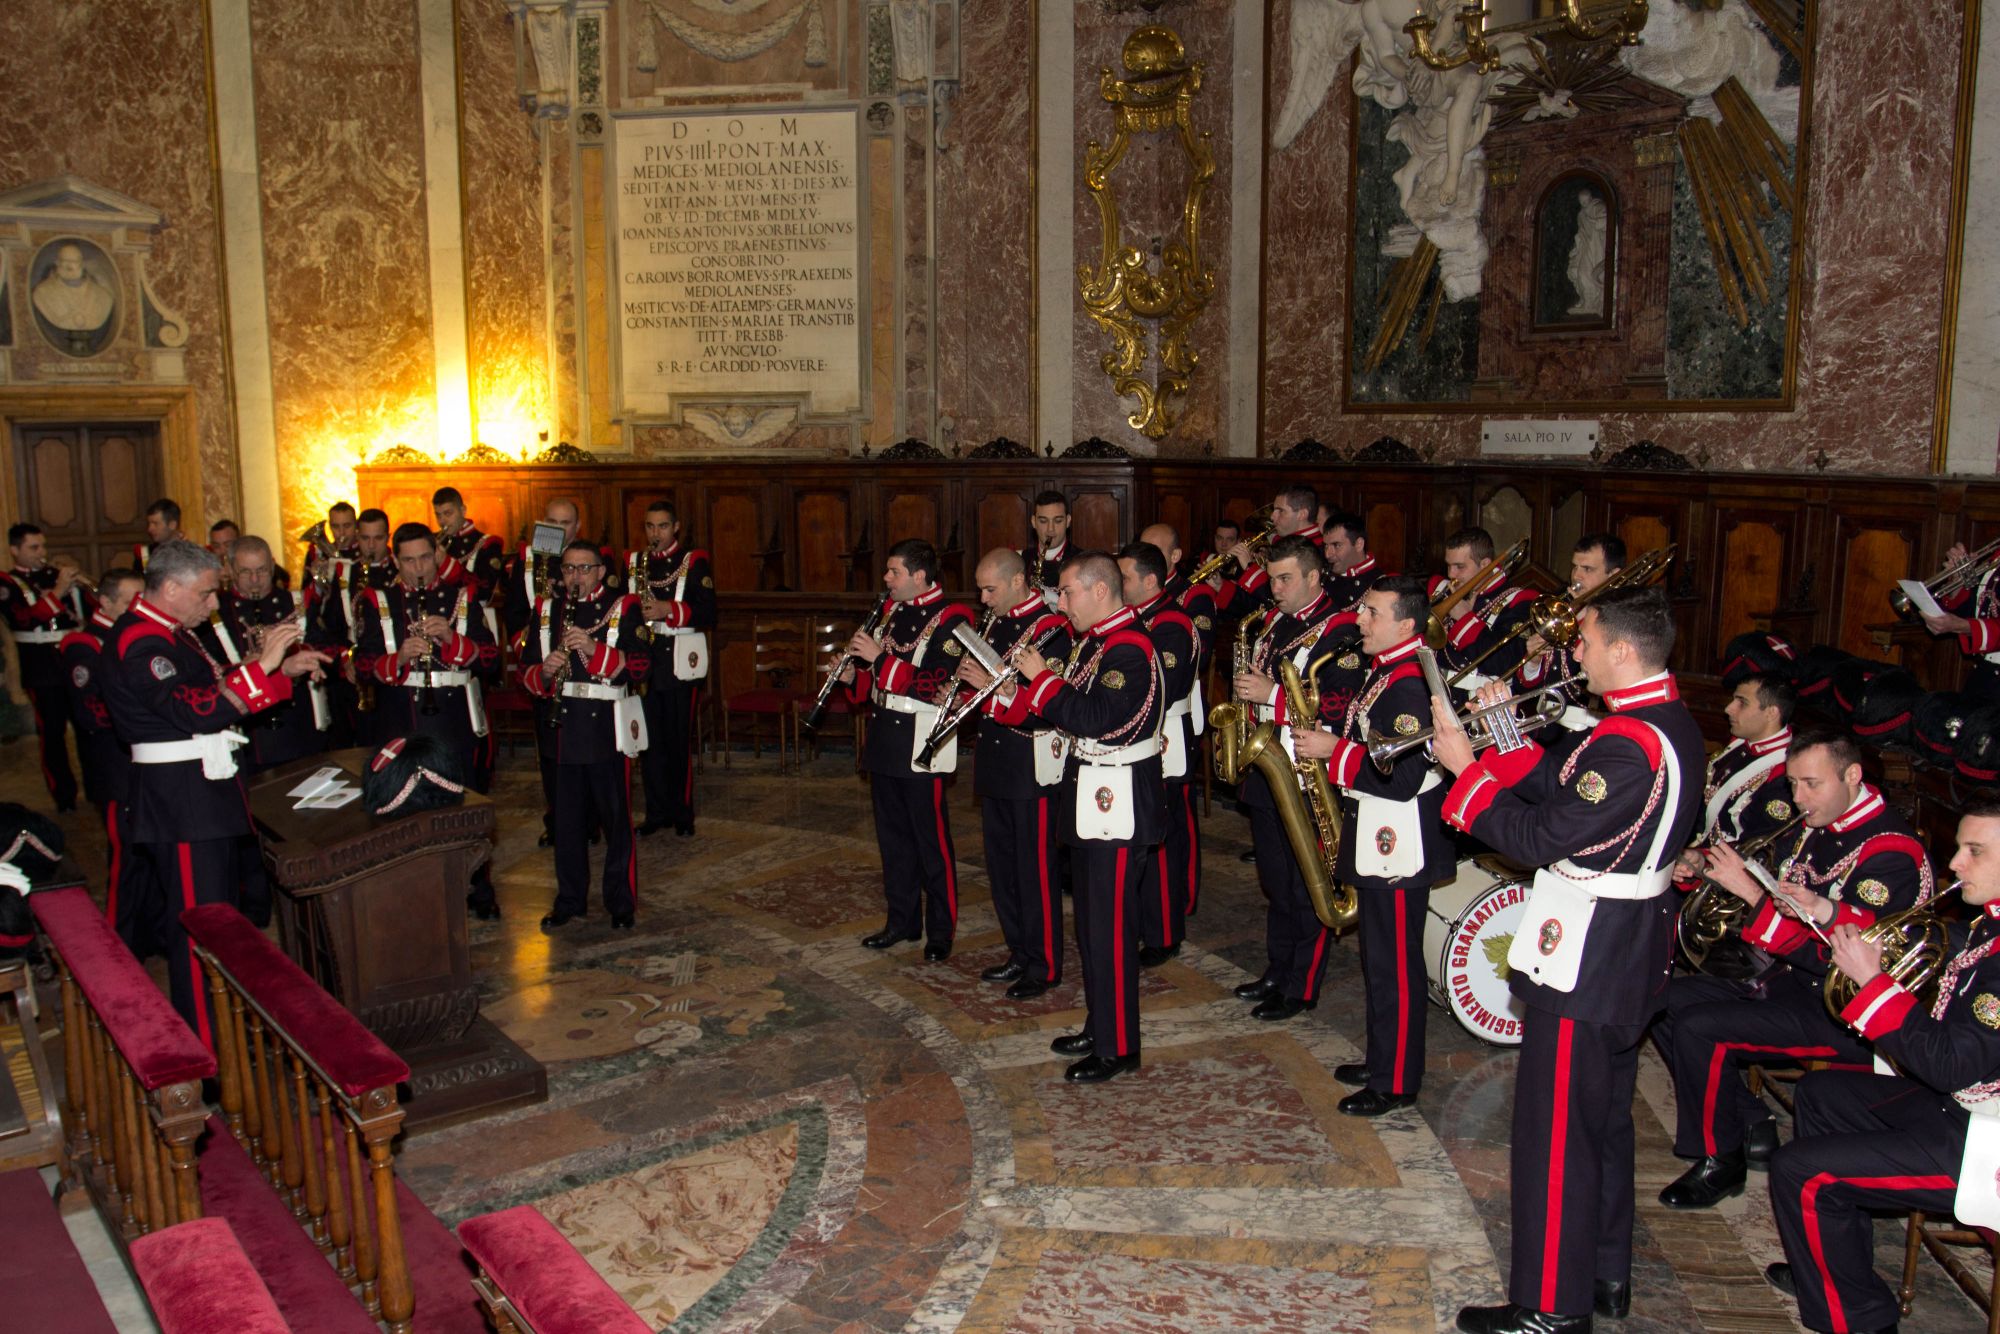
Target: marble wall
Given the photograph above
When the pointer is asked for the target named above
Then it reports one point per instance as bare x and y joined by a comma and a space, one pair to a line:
114, 91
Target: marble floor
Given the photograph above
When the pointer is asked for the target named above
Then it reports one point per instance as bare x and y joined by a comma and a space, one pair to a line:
754, 1123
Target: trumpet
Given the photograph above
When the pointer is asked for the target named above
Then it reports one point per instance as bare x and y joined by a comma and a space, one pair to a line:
872, 628
1711, 920
949, 720
1507, 562
1493, 725
1915, 944
77, 577
1258, 539
1950, 581
1554, 619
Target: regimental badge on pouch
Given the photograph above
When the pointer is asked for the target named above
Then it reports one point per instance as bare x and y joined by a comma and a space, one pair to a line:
1104, 800
1549, 937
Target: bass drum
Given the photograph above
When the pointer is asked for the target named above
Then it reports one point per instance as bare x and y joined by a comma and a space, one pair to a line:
1472, 922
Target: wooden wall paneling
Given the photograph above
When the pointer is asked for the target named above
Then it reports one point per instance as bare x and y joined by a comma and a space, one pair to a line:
732, 517
490, 503
404, 502
1101, 516
1388, 528
1507, 513
1873, 556
824, 515
1001, 517
1748, 551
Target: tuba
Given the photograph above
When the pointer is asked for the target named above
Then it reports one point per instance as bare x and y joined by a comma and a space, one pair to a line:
1711, 921
1916, 945
1307, 808
1230, 720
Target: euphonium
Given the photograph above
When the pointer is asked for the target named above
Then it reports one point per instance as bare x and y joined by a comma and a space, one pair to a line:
1711, 921
1915, 948
1230, 720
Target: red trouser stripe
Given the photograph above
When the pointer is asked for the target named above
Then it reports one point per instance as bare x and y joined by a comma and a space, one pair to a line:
1402, 994
1809, 1208
194, 964
632, 848
944, 848
1558, 1147
1166, 896
1042, 873
117, 859
1716, 1061
1311, 987
1194, 848
1117, 946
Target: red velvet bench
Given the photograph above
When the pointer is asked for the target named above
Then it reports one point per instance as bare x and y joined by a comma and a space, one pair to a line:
48, 1288
199, 1281
299, 1160
533, 1280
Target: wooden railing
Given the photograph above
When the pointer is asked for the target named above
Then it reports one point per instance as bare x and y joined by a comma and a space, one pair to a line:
132, 1103
310, 1095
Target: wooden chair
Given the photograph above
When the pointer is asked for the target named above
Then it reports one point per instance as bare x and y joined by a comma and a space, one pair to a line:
777, 666
31, 1130
827, 638
1943, 1240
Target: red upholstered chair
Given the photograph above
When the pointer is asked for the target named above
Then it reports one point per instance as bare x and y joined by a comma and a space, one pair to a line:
828, 638
1944, 1239
199, 1281
530, 1277
777, 669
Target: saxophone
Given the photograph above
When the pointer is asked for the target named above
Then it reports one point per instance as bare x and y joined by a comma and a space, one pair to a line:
1231, 719
1307, 807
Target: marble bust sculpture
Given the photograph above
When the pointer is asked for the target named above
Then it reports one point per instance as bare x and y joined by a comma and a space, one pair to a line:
71, 298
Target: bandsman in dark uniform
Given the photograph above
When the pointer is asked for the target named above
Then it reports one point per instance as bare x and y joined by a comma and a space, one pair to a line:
177, 708
1294, 513
42, 603
107, 764
1017, 776
1198, 601
1591, 957
1109, 698
222, 535
1482, 619
1973, 615
339, 529
905, 672
1594, 559
1164, 887
335, 606
464, 552
1854, 860
1351, 567
1393, 845
163, 524
1926, 1137
246, 611
585, 652
1748, 793
1305, 628
428, 653
676, 587
1050, 521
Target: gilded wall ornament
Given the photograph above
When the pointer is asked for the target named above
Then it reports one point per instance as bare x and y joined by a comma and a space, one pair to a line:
1122, 293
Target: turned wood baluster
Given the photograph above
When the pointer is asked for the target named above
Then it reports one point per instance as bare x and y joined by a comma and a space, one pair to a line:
75, 1084
291, 1171
253, 1124
338, 1233
228, 1048
98, 1114
364, 1235
159, 1205
120, 1180
182, 1120
397, 1300
271, 1146
309, 1161
130, 1140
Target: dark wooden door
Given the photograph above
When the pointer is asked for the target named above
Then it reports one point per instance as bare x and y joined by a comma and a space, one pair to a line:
87, 484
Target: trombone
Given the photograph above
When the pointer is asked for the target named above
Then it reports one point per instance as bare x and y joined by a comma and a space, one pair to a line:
1554, 619
1951, 581
1257, 539
1493, 725
1508, 562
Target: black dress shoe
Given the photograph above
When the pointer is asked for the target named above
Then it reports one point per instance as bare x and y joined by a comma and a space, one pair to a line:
685, 829
622, 921
547, 840
1374, 1102
556, 917
1097, 1069
1074, 1044
1613, 1301
1355, 1074
1275, 1007
884, 938
1760, 1141
484, 909
1027, 989
1152, 956
1262, 988
1512, 1319
937, 951
1009, 971
1779, 1276
1707, 1183
651, 827
1247, 855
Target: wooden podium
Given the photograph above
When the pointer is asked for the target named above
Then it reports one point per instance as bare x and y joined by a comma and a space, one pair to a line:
374, 909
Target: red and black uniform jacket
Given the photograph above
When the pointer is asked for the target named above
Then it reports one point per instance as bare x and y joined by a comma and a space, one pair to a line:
28, 600
469, 554
1600, 808
684, 579
1251, 590
285, 731
622, 658
356, 579
1980, 606
1198, 601
1175, 640
105, 759
532, 576
1346, 589
1762, 806
399, 701
1394, 701
1954, 1045
1003, 762
1868, 862
161, 685
919, 658
1494, 615
1109, 694
1337, 670
1045, 568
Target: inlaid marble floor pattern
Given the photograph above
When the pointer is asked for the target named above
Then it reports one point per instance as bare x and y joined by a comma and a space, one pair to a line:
754, 1123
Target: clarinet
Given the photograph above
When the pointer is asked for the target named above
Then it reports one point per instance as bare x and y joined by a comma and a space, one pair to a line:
563, 664
877, 617
426, 693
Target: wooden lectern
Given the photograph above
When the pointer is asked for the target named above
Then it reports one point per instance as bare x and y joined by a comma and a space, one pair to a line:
374, 909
